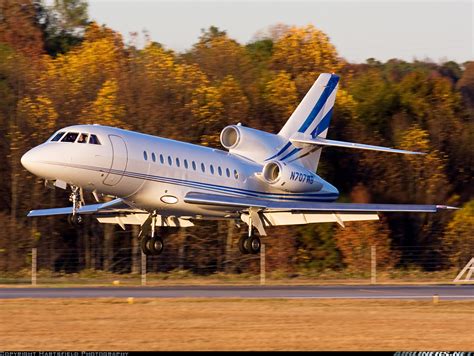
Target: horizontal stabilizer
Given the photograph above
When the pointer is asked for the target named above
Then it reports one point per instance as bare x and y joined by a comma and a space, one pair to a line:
319, 141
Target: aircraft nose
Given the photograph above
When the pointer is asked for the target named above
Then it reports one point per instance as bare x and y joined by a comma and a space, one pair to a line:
30, 160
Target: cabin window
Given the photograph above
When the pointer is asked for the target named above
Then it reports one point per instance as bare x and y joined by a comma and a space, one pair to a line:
203, 168
177, 162
194, 166
70, 137
83, 138
219, 169
186, 163
153, 157
170, 160
94, 140
212, 169
227, 172
145, 155
236, 174
162, 159
57, 137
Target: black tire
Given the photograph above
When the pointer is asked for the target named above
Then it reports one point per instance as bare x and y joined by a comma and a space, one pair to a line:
243, 245
254, 244
145, 245
75, 220
156, 245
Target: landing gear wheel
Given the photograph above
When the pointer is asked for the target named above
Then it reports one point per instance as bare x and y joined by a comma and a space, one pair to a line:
75, 219
156, 245
243, 245
253, 244
145, 245
151, 246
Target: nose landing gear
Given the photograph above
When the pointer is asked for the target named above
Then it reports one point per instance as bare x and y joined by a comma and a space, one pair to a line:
77, 200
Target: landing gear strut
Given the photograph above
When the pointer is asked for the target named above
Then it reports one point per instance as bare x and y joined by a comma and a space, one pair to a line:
151, 245
77, 201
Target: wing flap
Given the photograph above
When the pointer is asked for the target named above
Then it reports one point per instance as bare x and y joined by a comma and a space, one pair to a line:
289, 218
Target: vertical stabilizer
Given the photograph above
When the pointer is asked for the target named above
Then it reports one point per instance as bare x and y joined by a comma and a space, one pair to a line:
311, 118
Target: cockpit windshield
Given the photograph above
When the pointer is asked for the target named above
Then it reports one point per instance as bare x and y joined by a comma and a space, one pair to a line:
58, 136
76, 137
70, 137
83, 138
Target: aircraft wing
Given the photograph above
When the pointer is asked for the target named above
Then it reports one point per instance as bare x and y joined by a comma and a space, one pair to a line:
116, 211
113, 206
302, 206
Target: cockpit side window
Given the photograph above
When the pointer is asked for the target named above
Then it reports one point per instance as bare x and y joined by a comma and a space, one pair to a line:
57, 136
70, 137
94, 140
83, 138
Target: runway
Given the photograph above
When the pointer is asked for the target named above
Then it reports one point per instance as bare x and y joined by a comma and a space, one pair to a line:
444, 292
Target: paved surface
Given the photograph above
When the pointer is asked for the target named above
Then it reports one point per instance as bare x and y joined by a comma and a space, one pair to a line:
445, 292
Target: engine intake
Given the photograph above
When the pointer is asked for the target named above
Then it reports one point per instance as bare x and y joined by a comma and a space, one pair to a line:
291, 178
230, 137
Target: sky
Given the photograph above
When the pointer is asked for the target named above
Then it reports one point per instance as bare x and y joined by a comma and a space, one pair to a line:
383, 29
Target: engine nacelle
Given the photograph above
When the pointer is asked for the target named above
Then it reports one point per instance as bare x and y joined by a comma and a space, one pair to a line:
251, 143
291, 178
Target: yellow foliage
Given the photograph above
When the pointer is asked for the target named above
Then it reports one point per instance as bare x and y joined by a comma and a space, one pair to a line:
281, 93
427, 172
458, 241
345, 103
206, 105
236, 104
305, 49
73, 79
39, 114
105, 109
219, 56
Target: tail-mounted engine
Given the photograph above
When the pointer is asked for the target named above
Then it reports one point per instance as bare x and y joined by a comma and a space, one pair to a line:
251, 143
291, 178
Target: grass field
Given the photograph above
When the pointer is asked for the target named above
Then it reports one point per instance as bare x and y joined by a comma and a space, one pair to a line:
234, 324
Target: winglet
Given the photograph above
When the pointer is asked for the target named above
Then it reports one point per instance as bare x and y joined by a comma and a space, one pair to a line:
446, 207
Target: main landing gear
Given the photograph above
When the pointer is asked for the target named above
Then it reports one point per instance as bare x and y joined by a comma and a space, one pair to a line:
250, 244
151, 245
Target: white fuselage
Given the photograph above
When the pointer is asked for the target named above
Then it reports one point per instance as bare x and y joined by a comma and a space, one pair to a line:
155, 173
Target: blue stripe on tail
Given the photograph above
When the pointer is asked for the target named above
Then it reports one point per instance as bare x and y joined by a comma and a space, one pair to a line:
320, 103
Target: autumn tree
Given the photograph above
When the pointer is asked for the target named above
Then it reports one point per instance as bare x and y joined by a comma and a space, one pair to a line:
458, 240
19, 27
357, 238
304, 52
281, 94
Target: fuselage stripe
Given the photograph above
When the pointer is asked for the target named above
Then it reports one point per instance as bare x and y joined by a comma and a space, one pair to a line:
212, 187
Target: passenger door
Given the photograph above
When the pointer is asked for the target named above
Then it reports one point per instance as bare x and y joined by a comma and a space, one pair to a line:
119, 160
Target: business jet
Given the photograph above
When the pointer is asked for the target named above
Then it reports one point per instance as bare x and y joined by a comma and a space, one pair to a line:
262, 180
